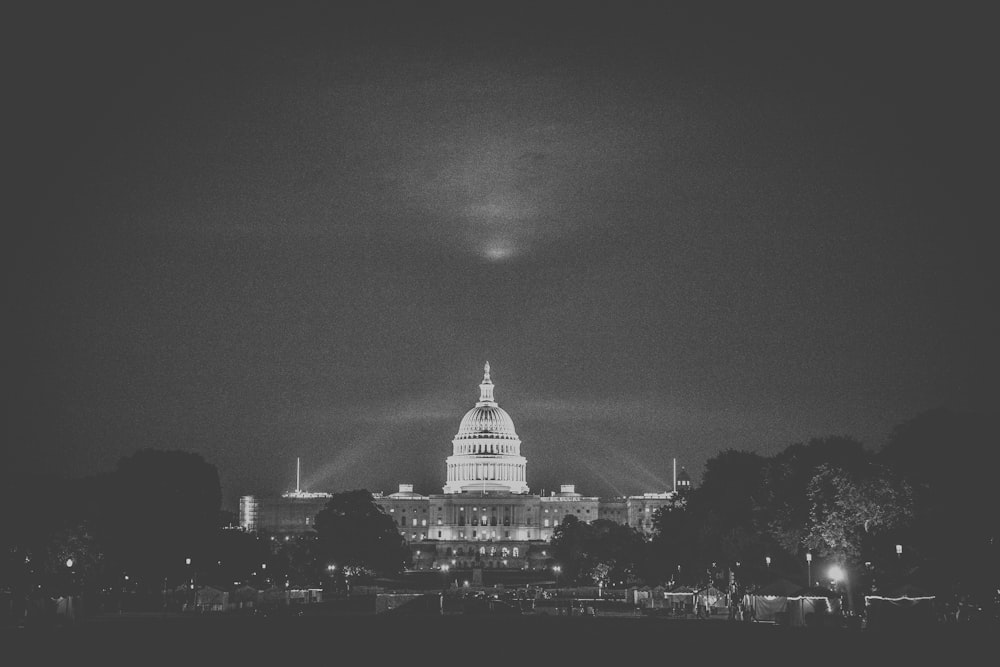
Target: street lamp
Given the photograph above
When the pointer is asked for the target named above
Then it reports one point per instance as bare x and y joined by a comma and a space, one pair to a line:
194, 583
899, 551
809, 563
838, 574
767, 559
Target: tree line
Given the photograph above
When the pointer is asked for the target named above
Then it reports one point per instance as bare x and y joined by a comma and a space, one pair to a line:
919, 510
150, 531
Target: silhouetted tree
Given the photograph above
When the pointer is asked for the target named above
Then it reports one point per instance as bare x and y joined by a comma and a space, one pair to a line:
947, 456
299, 562
728, 508
569, 548
234, 555
160, 508
602, 552
357, 535
673, 549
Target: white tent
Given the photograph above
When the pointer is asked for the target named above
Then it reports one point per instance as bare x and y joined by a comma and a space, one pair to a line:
680, 598
906, 606
712, 600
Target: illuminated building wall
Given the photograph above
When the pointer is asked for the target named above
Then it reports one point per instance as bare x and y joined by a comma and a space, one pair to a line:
485, 517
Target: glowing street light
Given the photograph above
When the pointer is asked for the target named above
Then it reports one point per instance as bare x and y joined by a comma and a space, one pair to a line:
69, 562
899, 551
445, 567
809, 563
767, 559
836, 574
194, 585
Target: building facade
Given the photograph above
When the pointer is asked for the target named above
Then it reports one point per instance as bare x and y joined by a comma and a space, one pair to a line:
485, 515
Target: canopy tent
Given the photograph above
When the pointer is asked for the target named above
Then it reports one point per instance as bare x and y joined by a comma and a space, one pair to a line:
211, 598
784, 603
778, 587
810, 605
680, 597
712, 599
906, 606
679, 592
244, 596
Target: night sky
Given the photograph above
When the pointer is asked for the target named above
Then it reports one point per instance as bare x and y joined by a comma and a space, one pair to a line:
268, 232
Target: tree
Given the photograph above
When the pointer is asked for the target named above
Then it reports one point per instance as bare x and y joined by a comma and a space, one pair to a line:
786, 479
158, 509
235, 555
848, 506
947, 457
602, 552
850, 509
298, 560
356, 535
728, 510
674, 546
569, 548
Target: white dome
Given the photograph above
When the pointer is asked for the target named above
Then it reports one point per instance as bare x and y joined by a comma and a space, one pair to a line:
486, 421
486, 453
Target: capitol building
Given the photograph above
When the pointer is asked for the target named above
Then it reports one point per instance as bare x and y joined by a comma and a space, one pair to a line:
485, 516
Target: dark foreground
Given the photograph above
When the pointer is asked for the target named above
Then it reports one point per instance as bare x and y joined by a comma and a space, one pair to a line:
528, 640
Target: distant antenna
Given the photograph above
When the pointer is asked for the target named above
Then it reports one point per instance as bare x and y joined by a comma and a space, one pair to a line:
298, 469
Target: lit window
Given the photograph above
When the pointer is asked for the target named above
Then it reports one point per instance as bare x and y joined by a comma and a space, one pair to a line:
546, 522
414, 521
392, 509
439, 521
514, 552
423, 522
413, 536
